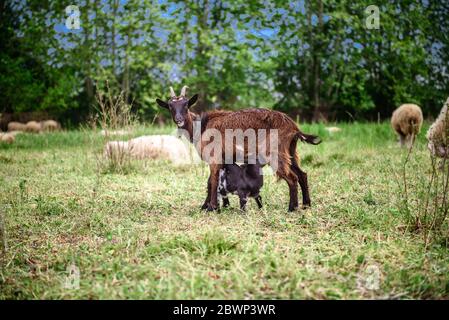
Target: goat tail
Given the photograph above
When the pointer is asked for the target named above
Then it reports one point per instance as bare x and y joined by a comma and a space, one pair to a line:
308, 138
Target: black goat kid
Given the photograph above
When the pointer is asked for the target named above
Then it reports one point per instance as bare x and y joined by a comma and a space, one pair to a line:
244, 181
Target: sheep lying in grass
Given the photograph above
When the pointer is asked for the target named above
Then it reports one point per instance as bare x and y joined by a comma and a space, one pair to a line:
438, 134
33, 127
14, 133
333, 129
150, 147
16, 126
50, 125
7, 138
406, 121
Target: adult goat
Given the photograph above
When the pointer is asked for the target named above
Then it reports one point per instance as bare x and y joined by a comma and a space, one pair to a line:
279, 141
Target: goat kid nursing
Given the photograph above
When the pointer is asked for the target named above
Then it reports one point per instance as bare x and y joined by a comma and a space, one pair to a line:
244, 181
281, 155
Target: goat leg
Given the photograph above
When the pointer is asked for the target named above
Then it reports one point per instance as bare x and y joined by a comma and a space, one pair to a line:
293, 189
214, 177
259, 201
243, 201
206, 202
304, 189
225, 201
302, 179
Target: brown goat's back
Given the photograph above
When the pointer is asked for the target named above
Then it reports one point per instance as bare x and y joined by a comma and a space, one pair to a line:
253, 118
258, 119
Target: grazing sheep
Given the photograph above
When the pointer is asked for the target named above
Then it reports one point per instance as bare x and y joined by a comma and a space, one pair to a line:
406, 121
50, 125
150, 147
244, 181
33, 127
438, 134
7, 138
16, 126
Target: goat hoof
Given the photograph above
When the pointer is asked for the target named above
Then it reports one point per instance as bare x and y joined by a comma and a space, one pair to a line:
306, 206
204, 206
292, 208
211, 208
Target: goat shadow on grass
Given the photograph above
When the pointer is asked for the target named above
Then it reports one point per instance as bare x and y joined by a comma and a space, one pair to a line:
312, 161
231, 210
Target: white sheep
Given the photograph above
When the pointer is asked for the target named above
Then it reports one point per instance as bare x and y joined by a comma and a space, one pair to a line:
33, 127
16, 126
7, 138
406, 121
50, 125
15, 132
333, 129
438, 134
151, 147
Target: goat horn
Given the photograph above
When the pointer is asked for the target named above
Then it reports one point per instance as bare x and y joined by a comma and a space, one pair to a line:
183, 91
172, 93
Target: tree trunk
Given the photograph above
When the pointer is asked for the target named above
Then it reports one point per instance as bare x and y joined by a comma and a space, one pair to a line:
114, 15
125, 82
202, 104
317, 115
309, 66
87, 56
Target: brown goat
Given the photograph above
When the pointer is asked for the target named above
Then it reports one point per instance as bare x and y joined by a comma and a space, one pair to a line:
283, 159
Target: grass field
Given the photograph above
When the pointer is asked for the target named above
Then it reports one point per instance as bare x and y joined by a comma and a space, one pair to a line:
142, 235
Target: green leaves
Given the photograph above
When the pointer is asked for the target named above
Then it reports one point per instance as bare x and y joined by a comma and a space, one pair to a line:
312, 58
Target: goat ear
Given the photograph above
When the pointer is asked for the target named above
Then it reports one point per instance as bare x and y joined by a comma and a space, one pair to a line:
161, 103
192, 100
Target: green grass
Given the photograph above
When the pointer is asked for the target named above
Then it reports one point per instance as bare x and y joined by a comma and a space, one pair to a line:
141, 234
